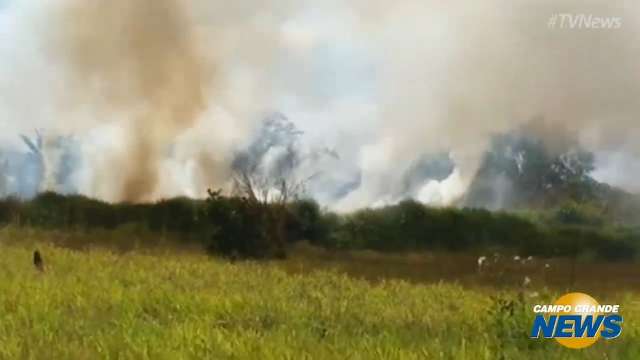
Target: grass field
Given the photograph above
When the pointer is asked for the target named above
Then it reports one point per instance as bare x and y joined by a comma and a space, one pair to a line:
157, 304
600, 279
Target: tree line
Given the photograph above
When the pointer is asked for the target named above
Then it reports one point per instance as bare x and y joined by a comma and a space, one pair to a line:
240, 226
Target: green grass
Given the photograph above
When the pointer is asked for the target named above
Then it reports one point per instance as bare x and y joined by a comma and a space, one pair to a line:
97, 304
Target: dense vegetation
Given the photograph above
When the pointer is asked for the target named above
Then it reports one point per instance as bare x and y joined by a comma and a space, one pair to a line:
235, 226
100, 305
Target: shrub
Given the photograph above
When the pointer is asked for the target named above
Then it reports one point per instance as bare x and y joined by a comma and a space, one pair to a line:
246, 228
239, 227
306, 222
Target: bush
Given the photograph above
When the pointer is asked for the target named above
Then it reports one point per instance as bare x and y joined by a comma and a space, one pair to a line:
573, 213
239, 227
10, 210
306, 222
235, 226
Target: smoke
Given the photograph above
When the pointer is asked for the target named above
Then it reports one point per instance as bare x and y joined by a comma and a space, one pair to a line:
162, 95
139, 59
455, 75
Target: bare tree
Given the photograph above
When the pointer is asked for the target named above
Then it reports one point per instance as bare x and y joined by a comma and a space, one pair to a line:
268, 176
270, 194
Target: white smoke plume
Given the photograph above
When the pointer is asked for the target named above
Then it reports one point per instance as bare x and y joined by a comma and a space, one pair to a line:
162, 94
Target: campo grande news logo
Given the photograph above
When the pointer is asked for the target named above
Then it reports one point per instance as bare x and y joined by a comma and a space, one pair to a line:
577, 321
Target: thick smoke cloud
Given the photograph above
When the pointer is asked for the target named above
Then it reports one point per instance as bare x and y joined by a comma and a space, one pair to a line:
140, 59
457, 74
163, 94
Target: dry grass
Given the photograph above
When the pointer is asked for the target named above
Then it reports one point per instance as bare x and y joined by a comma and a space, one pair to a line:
561, 274
96, 304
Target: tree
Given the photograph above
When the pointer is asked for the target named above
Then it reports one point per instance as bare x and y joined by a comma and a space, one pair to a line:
265, 180
268, 196
521, 171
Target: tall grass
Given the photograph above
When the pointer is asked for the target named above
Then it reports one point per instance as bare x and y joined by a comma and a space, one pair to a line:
96, 304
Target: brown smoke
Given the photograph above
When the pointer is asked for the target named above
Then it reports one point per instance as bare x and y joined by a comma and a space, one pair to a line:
447, 76
136, 59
